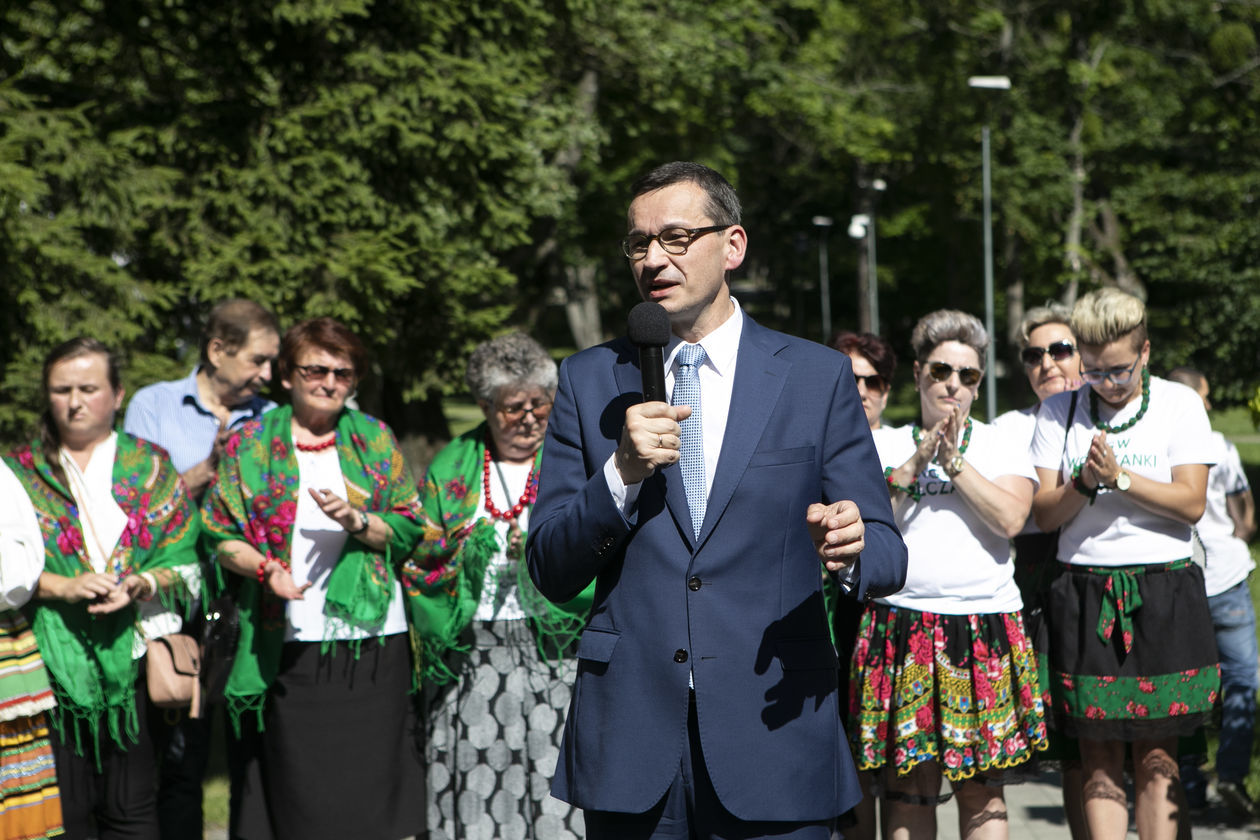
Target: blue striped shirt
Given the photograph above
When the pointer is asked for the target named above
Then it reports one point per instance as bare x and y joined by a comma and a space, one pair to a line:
171, 415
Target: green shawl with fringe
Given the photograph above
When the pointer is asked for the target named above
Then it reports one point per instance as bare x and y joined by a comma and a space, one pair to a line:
89, 656
453, 564
254, 500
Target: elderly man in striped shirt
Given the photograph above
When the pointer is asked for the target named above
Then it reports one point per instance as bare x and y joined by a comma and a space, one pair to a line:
192, 418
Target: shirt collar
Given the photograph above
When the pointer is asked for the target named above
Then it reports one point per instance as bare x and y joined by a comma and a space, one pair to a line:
720, 346
250, 410
190, 389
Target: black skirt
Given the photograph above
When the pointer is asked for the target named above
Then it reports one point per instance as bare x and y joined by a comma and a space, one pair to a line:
1155, 675
339, 755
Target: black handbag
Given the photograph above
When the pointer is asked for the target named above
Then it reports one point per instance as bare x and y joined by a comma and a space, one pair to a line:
1037, 564
219, 637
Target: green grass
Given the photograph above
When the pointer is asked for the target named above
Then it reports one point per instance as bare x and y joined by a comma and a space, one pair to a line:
462, 415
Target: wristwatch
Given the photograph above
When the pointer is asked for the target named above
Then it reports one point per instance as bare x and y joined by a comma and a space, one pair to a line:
1123, 481
363, 523
954, 466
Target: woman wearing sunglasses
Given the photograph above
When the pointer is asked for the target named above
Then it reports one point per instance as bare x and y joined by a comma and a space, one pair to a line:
945, 678
1133, 659
1052, 365
315, 511
874, 362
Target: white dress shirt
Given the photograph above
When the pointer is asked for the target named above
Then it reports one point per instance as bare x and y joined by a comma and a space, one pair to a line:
717, 382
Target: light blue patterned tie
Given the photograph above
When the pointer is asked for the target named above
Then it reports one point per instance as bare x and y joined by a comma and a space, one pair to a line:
691, 447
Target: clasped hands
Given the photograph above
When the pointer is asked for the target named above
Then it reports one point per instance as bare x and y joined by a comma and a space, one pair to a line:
651, 438
1101, 469
105, 593
939, 443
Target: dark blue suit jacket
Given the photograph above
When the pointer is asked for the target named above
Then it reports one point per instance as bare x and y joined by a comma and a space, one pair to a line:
742, 607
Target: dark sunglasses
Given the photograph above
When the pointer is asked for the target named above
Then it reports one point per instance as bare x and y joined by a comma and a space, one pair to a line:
316, 373
1058, 351
874, 382
939, 371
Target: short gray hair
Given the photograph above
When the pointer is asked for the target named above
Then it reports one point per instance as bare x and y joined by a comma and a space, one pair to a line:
1052, 313
514, 359
935, 328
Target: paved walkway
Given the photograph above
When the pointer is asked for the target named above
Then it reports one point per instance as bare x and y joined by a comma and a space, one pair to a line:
1036, 813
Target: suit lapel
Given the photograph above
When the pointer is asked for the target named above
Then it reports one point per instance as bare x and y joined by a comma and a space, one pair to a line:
759, 378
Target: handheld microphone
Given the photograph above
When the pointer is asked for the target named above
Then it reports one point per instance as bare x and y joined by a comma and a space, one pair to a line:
649, 331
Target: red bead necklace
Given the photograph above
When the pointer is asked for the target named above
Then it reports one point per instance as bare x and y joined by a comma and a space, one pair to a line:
527, 498
316, 447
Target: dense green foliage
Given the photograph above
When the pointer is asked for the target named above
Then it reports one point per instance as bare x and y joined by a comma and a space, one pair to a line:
434, 172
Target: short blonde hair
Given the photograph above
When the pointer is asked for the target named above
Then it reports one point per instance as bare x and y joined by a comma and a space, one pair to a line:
1106, 315
1052, 313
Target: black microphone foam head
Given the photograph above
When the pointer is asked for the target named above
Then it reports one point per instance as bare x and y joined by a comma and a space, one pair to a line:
649, 325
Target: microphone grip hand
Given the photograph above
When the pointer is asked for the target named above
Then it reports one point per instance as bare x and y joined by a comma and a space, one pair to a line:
650, 439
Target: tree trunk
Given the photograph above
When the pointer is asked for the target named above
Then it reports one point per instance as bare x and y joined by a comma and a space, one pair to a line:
1074, 256
581, 301
581, 305
1015, 305
1076, 221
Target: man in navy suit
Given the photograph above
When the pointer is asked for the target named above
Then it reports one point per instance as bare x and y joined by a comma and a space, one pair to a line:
705, 703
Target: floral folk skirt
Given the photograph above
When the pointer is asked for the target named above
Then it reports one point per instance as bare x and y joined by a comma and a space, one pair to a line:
960, 690
1132, 652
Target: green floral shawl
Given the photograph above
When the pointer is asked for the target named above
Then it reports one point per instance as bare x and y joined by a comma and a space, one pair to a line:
254, 500
89, 656
453, 564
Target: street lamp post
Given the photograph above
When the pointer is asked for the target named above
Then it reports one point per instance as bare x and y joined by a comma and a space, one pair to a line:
824, 223
990, 376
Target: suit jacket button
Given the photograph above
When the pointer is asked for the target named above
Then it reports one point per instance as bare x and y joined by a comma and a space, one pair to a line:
694, 584
680, 655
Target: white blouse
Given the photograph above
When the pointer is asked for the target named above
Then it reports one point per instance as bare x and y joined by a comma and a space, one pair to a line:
500, 599
21, 544
103, 522
314, 550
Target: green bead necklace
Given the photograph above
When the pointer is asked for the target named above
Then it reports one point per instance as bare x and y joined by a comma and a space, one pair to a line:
1128, 424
